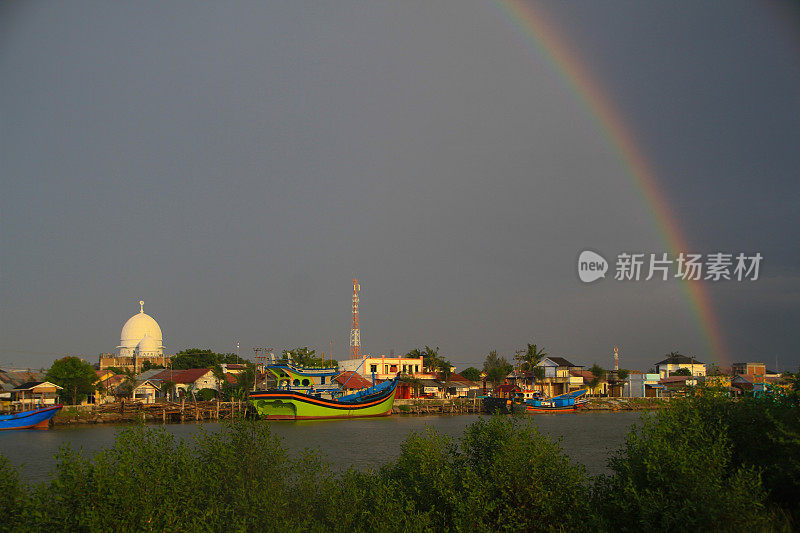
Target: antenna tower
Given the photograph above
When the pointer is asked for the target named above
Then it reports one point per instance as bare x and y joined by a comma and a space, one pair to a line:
355, 332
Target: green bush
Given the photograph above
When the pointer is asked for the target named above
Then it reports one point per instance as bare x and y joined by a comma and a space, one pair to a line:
675, 473
702, 464
13, 497
205, 395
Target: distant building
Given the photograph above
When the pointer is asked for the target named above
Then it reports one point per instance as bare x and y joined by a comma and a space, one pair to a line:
753, 378
141, 340
197, 378
35, 394
674, 363
147, 391
586, 377
384, 367
643, 385
750, 369
558, 377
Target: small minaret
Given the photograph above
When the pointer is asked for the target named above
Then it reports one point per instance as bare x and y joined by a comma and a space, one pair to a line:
616, 358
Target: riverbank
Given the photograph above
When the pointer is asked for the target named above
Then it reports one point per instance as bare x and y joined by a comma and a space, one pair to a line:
626, 404
165, 412
490, 474
456, 406
170, 412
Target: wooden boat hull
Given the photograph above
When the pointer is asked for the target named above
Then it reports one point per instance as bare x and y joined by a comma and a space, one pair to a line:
34, 419
291, 405
556, 409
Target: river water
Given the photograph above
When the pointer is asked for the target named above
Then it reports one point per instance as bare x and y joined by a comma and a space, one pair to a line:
588, 437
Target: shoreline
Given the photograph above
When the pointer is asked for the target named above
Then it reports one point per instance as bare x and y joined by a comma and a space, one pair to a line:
120, 413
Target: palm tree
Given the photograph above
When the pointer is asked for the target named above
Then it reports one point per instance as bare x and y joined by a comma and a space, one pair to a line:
445, 369
219, 375
129, 383
430, 358
168, 388
531, 357
598, 373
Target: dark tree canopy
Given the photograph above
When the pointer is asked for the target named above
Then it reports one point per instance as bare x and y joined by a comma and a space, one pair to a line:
308, 358
197, 358
496, 368
76, 376
430, 357
471, 373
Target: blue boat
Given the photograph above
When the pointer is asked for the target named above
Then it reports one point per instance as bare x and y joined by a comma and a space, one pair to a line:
565, 403
35, 419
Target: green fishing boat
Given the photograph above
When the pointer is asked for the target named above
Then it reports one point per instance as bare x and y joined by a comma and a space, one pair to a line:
287, 404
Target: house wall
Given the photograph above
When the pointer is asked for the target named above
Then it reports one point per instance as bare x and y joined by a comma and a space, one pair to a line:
752, 369
147, 393
207, 381
384, 367
697, 369
635, 384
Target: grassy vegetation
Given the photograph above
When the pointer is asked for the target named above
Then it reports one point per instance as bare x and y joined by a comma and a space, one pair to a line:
704, 463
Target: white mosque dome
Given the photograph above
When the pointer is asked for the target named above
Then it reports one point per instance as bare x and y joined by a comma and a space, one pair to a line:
148, 344
139, 327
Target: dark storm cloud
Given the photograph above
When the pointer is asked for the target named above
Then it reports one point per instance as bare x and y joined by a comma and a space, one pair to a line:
236, 165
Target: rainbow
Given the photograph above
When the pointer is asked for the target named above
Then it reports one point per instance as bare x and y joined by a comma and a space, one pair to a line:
546, 39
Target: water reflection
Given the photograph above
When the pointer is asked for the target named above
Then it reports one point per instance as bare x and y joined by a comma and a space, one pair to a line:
587, 437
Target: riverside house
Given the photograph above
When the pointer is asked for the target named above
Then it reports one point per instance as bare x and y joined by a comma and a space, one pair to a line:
194, 378
675, 363
558, 377
643, 385
147, 391
586, 377
34, 394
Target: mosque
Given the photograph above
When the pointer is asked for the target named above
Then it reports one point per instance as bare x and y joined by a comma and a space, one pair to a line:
141, 340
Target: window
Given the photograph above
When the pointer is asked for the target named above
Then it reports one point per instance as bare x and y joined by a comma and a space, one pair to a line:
373, 368
416, 368
296, 382
305, 383
322, 380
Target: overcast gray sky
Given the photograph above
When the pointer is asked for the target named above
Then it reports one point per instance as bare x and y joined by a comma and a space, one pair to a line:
236, 164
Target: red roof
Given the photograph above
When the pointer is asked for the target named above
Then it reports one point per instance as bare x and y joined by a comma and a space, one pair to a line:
673, 379
585, 374
231, 378
182, 376
357, 381
455, 377
507, 387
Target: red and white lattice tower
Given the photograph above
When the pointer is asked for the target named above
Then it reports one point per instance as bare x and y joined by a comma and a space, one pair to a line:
355, 332
616, 358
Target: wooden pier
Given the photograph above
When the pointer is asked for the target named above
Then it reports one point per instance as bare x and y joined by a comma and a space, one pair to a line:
164, 412
435, 406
